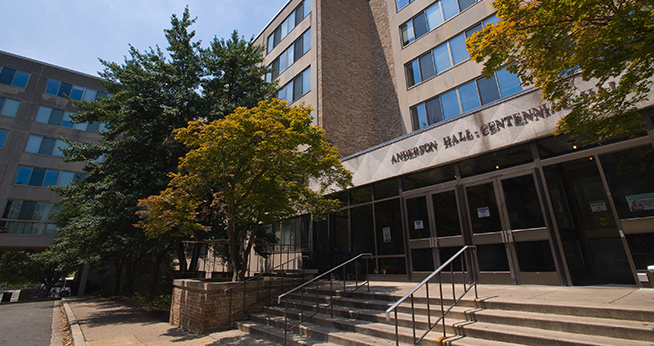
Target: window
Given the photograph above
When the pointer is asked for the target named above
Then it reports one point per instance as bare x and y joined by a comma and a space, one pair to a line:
33, 176
44, 145
430, 18
465, 98
402, 3
296, 88
8, 107
3, 137
13, 77
59, 117
290, 56
293, 19
76, 92
28, 217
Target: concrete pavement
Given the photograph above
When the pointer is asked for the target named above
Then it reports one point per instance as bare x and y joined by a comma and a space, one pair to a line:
102, 322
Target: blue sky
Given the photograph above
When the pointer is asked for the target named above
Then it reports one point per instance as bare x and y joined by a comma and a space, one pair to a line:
75, 33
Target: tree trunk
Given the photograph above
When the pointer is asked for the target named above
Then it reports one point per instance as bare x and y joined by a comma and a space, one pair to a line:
119, 275
129, 279
233, 246
181, 255
248, 250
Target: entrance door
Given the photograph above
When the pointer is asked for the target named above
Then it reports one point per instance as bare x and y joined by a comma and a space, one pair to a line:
591, 241
506, 223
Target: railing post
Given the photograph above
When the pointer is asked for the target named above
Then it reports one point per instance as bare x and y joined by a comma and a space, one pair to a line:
440, 287
428, 305
367, 273
413, 318
397, 333
285, 318
229, 318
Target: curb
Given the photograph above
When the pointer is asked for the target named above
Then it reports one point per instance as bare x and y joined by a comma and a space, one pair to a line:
76, 335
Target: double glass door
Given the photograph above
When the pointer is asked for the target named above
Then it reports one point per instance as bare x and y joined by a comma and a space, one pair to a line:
502, 216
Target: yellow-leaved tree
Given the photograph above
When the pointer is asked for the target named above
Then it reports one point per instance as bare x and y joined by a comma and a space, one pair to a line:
247, 169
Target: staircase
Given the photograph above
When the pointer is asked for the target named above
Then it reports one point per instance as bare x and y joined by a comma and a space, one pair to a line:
503, 315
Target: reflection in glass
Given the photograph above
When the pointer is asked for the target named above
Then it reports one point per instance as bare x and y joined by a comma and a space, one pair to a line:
418, 218
422, 260
484, 214
386, 189
493, 258
535, 256
388, 223
510, 157
522, 203
429, 177
362, 229
446, 214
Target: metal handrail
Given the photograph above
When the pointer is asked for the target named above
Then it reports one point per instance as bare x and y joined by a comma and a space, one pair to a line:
230, 289
472, 268
331, 292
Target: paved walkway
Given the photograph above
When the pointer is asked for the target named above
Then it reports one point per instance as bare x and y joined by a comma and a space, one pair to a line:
102, 322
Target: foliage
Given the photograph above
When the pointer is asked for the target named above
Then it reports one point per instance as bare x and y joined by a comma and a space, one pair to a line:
251, 168
152, 93
22, 267
549, 44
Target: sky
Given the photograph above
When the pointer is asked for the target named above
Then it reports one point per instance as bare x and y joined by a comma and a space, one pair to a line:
75, 33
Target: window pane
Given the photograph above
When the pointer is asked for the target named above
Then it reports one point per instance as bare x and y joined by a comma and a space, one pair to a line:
93, 127
89, 94
463, 4
298, 49
388, 223
306, 81
47, 145
7, 75
307, 7
282, 61
81, 126
434, 16
27, 210
442, 58
291, 22
509, 82
412, 73
59, 144
271, 42
77, 93
23, 175
298, 13
11, 209
33, 144
419, 117
284, 28
100, 94
3, 137
427, 66
66, 122
488, 90
401, 3
43, 115
21, 78
450, 8
406, 30
469, 96
38, 174
275, 68
306, 41
51, 229
64, 89
53, 87
10, 107
473, 30
420, 25
297, 87
450, 104
56, 117
458, 47
51, 177
66, 178
41, 211
492, 19
434, 111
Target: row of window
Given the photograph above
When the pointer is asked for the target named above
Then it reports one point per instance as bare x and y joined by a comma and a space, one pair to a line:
34, 176
290, 56
13, 77
45, 145
28, 217
293, 19
76, 92
465, 98
8, 107
3, 137
431, 17
442, 57
294, 89
59, 117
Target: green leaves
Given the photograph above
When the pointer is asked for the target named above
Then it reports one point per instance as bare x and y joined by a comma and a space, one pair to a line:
559, 45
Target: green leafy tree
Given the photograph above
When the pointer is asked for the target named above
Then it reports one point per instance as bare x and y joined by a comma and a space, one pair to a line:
152, 93
47, 267
553, 44
251, 168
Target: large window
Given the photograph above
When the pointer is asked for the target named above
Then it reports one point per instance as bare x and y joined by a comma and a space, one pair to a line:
14, 77
290, 56
296, 88
8, 107
34, 176
293, 19
402, 3
76, 92
28, 217
441, 58
3, 137
430, 18
59, 117
45, 145
465, 98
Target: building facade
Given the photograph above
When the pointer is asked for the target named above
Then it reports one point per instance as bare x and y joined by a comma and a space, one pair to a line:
34, 118
443, 157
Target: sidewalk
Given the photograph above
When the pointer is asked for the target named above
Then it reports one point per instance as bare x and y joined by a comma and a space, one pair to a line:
102, 322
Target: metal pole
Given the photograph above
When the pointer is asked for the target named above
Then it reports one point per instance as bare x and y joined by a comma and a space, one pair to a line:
367, 278
428, 308
413, 318
397, 333
440, 287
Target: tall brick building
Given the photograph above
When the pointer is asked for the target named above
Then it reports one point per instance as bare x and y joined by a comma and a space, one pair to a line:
443, 157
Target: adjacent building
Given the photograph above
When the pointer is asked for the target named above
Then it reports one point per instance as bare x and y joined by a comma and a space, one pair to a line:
443, 157
34, 119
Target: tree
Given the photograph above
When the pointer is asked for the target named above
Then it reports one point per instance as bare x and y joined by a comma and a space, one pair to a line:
551, 44
251, 168
47, 267
152, 94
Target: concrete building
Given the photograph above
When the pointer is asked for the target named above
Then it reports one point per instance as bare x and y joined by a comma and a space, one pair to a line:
34, 117
443, 157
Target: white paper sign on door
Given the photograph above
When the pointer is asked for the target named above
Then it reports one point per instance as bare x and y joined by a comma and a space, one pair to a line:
386, 231
418, 224
483, 212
